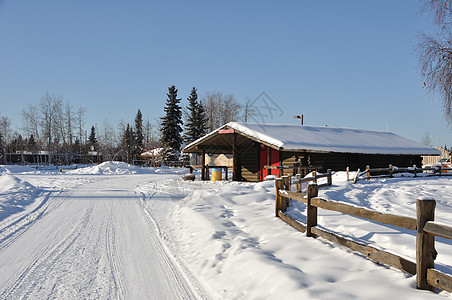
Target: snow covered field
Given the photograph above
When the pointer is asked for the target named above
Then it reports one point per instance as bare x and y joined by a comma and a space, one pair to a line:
120, 232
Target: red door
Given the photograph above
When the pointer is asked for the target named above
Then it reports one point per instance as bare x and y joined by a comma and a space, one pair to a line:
264, 157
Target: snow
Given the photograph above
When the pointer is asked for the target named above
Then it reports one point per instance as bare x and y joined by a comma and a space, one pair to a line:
119, 231
15, 195
329, 139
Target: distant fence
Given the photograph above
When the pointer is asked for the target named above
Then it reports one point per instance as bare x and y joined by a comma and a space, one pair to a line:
427, 277
391, 170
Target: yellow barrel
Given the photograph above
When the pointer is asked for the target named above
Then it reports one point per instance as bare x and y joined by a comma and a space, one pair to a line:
216, 174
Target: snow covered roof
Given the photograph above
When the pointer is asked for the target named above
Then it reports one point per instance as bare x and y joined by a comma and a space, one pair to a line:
324, 139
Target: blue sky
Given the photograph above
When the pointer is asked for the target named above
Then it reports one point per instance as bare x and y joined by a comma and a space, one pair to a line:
340, 63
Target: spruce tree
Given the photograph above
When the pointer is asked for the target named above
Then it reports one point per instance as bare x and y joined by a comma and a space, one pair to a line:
128, 141
2, 157
92, 140
139, 130
202, 121
171, 123
31, 143
196, 125
191, 122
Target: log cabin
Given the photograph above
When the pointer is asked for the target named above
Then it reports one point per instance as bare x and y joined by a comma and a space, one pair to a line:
254, 146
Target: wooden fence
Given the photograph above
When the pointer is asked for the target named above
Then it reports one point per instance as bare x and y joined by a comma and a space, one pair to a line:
390, 171
427, 277
297, 168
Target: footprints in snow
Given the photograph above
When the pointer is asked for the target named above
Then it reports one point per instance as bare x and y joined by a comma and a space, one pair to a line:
233, 239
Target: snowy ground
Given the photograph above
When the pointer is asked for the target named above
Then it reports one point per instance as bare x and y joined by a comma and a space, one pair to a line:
121, 232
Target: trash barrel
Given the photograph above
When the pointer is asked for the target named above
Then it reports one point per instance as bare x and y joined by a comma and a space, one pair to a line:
216, 174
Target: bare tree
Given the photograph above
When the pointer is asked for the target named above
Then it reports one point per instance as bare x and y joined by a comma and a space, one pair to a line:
5, 130
435, 54
107, 140
220, 109
50, 108
69, 119
80, 120
32, 122
427, 139
249, 110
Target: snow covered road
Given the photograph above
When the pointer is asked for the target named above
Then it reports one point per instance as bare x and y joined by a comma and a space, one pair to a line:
115, 231
93, 241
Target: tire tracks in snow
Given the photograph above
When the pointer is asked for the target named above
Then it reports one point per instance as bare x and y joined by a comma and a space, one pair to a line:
175, 268
10, 232
112, 255
29, 281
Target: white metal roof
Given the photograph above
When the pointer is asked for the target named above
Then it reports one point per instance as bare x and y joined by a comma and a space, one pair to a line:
329, 139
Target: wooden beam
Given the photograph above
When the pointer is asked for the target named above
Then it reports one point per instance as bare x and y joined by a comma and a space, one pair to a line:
372, 253
439, 280
390, 219
437, 229
291, 221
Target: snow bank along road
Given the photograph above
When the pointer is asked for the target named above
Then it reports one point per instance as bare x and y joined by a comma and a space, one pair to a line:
96, 240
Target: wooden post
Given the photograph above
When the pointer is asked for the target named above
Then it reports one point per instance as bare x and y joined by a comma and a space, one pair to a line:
298, 185
281, 171
279, 184
414, 166
226, 173
368, 172
348, 175
207, 173
311, 211
235, 157
314, 173
355, 179
299, 166
425, 243
203, 164
287, 183
390, 171
330, 178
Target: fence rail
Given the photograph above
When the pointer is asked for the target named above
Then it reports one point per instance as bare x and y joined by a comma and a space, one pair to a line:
427, 277
391, 170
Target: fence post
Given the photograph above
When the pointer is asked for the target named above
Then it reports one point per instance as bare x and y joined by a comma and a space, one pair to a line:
425, 243
279, 184
390, 170
368, 172
314, 173
281, 170
311, 211
348, 175
414, 167
299, 167
330, 178
298, 184
287, 186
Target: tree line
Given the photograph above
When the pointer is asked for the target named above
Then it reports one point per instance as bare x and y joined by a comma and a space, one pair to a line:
56, 127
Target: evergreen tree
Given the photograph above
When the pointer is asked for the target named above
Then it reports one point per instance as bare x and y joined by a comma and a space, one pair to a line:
196, 125
31, 145
202, 121
2, 151
139, 138
172, 121
191, 122
128, 142
92, 140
